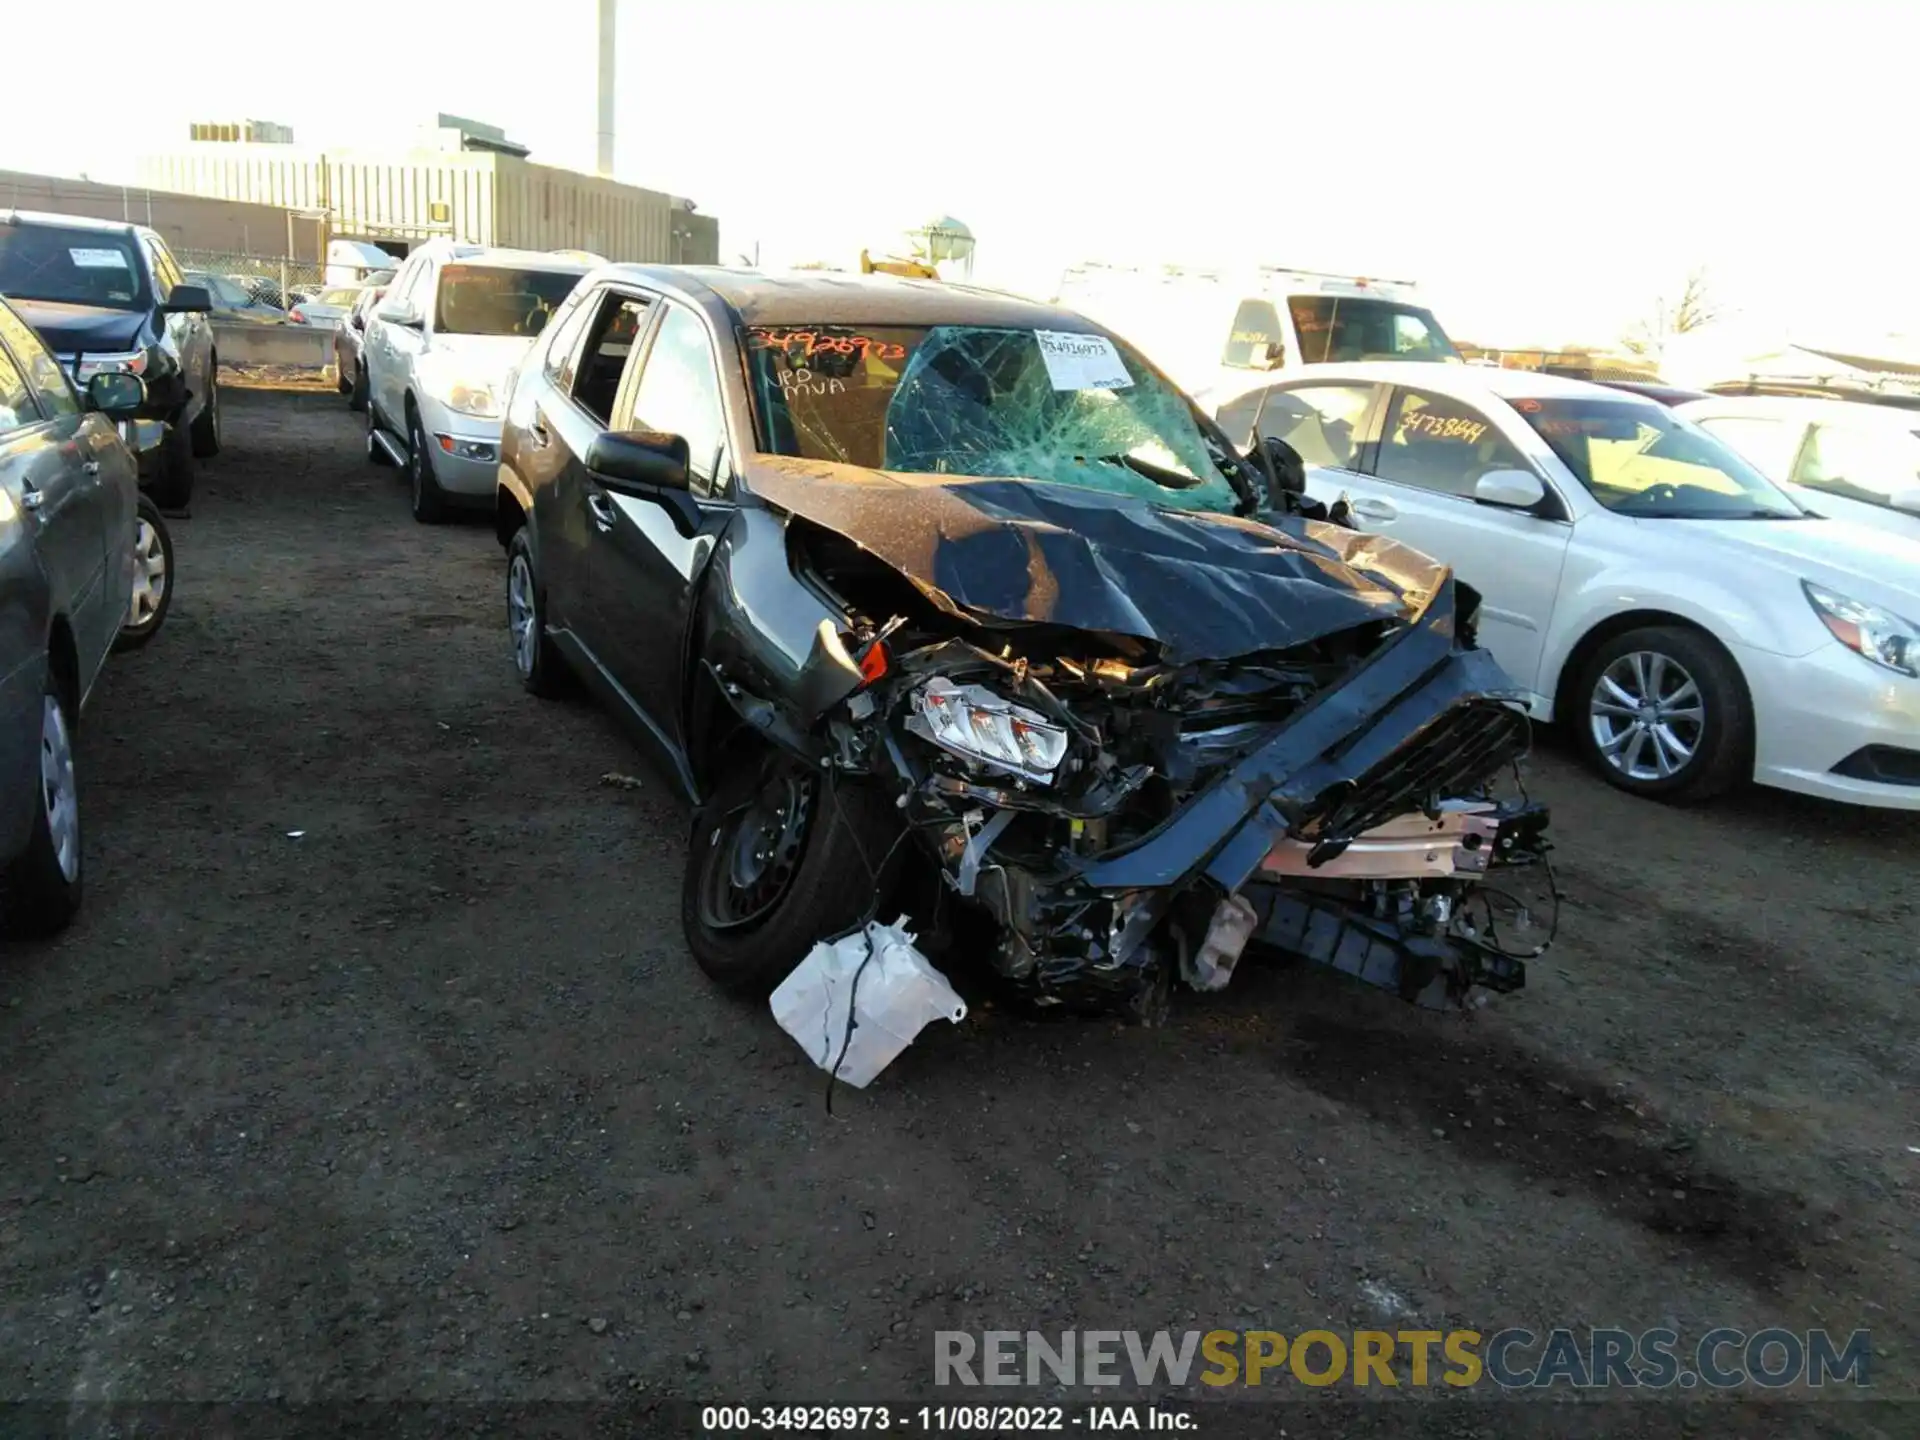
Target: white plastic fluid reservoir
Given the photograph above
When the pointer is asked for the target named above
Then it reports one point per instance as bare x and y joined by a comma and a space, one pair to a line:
899, 991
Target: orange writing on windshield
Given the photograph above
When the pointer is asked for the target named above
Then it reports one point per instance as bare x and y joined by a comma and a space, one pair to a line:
805, 344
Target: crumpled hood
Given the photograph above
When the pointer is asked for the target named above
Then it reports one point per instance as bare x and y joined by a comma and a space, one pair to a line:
1879, 567
69, 329
1198, 585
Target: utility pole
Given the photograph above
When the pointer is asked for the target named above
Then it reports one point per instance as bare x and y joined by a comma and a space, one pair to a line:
604, 153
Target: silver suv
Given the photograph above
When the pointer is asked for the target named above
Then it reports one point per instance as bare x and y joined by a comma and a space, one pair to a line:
439, 352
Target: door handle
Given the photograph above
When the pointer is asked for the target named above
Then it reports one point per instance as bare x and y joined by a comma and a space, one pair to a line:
538, 429
1374, 510
91, 467
31, 497
602, 509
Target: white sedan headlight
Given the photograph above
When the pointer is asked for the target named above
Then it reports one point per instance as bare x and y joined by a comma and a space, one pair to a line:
976, 724
476, 400
1879, 635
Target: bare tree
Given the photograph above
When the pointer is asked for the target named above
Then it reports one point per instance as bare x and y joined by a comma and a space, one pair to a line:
1693, 309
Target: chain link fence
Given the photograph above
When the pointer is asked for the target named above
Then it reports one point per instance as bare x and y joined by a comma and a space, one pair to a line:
271, 280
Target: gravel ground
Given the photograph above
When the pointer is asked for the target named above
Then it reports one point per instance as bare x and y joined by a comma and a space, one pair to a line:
375, 1067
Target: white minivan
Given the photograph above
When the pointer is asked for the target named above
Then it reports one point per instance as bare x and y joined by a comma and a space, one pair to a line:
1219, 334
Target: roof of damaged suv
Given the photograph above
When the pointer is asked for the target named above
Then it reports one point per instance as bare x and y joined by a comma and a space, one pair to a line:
816, 297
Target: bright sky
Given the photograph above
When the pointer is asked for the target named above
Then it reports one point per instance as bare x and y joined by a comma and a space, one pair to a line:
1545, 169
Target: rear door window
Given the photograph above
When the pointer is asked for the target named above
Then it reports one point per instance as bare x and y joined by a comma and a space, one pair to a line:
17, 409
1325, 424
591, 373
1438, 443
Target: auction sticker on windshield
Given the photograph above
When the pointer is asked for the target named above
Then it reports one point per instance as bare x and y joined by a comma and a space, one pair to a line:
1082, 362
98, 259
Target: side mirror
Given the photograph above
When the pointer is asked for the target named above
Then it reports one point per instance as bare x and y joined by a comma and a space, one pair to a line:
357, 320
647, 466
188, 300
1511, 489
116, 394
638, 461
403, 315
1906, 500
1274, 356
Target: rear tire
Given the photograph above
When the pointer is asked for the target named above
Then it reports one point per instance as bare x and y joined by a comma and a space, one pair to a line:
205, 434
429, 502
542, 672
153, 580
172, 487
40, 889
357, 389
759, 890
1662, 712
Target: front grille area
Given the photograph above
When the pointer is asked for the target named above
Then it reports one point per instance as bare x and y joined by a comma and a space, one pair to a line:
1882, 764
1453, 756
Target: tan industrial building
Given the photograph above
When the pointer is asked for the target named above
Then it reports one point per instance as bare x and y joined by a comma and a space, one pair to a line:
459, 179
187, 223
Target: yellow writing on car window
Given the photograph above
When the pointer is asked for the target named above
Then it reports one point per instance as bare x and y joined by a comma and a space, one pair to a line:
1443, 427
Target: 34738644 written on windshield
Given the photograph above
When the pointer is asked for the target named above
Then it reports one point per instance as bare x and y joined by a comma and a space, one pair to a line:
1066, 409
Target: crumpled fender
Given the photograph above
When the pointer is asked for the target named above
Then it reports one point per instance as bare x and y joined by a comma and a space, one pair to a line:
770, 639
1228, 827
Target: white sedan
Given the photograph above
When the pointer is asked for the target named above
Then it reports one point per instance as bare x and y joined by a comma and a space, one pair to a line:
1851, 459
1688, 620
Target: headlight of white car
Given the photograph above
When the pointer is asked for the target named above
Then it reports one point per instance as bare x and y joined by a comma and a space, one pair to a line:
1879, 635
477, 400
973, 722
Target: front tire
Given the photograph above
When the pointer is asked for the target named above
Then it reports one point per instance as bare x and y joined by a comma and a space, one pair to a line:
542, 672
205, 434
782, 856
1662, 712
152, 581
40, 889
429, 502
357, 390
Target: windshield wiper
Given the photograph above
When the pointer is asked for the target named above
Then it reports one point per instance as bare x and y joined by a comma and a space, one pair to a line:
1172, 479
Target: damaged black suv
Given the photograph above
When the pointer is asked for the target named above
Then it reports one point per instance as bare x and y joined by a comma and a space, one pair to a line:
909, 582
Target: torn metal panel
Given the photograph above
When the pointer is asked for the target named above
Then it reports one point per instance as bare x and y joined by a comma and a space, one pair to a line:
1196, 585
1412, 847
1417, 681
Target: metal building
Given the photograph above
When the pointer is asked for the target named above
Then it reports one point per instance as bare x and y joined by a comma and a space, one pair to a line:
462, 180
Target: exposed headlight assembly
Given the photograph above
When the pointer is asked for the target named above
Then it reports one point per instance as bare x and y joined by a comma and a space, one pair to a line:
476, 400
1879, 635
974, 723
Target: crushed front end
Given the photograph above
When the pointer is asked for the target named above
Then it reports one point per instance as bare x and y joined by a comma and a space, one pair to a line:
1129, 824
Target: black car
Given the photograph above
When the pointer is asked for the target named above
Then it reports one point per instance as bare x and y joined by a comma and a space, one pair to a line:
109, 297
922, 591
1668, 395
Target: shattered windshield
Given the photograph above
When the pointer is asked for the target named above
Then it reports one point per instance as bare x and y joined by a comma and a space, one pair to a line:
1063, 408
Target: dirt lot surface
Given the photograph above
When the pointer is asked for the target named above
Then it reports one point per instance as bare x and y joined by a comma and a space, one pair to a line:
376, 1068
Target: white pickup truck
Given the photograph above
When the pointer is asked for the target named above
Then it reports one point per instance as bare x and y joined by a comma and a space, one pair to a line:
1219, 334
